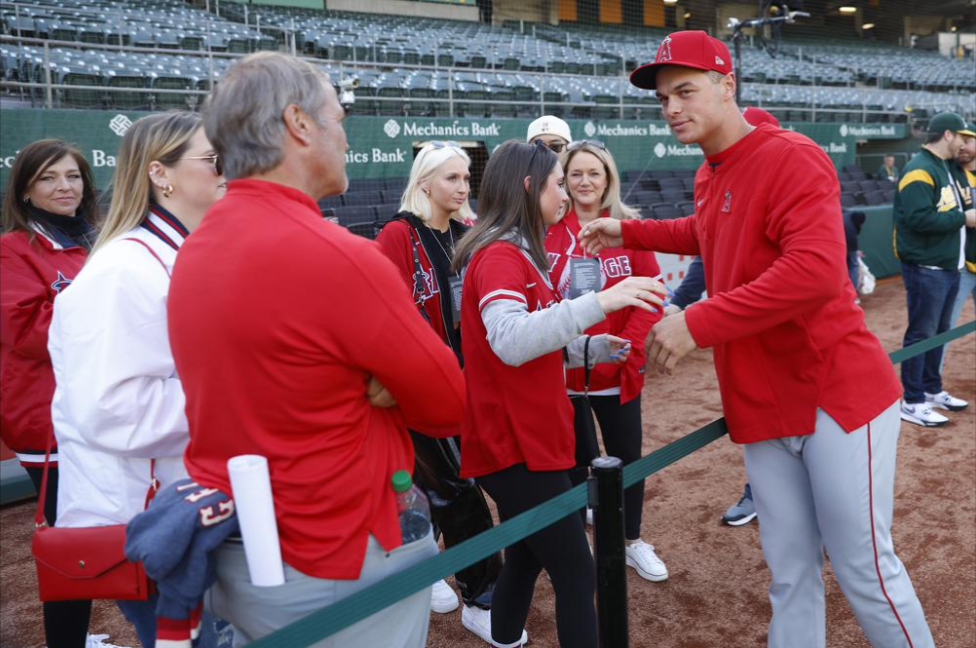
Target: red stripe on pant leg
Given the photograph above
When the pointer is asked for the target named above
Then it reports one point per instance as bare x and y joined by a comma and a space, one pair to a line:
874, 544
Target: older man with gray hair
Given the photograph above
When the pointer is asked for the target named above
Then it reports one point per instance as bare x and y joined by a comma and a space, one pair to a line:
298, 341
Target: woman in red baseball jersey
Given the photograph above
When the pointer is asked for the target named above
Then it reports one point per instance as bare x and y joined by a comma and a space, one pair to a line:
517, 435
612, 392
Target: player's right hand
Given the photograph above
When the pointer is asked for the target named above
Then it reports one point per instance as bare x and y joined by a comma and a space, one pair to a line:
601, 233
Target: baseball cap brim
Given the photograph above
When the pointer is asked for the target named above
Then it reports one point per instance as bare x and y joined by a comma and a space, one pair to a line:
967, 131
645, 77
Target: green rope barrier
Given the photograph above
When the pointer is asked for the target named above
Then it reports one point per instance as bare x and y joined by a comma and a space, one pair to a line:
924, 346
358, 606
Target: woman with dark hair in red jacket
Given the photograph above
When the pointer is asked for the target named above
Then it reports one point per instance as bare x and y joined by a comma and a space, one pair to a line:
49, 212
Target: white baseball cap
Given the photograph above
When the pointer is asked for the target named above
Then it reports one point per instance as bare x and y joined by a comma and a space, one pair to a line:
549, 125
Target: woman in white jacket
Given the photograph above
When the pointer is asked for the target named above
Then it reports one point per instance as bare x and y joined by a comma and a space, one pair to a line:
118, 407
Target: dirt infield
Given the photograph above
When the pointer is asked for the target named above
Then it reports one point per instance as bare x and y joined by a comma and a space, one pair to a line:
716, 594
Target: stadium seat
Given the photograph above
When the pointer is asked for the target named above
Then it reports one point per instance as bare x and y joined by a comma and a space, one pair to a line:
360, 198
352, 215
848, 200
330, 202
646, 198
673, 195
363, 184
875, 198
666, 212
368, 229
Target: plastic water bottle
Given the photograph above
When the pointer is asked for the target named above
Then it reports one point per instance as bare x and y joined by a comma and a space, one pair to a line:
412, 506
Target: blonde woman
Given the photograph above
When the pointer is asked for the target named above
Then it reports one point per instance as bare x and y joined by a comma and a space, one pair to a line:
420, 241
118, 407
612, 391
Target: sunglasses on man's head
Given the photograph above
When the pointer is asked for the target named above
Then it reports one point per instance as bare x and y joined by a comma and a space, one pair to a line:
438, 144
597, 144
214, 160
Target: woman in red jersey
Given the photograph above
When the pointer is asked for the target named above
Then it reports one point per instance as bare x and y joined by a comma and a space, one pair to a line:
612, 392
517, 436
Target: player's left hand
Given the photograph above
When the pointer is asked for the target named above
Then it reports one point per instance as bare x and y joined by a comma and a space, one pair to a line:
668, 342
378, 395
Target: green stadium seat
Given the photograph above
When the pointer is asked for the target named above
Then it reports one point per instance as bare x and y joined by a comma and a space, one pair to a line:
167, 100
80, 97
128, 100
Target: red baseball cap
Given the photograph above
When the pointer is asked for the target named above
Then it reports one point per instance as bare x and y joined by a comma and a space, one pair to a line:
693, 49
756, 116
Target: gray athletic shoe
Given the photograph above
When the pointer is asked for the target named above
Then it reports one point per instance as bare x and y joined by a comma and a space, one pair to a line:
945, 400
743, 512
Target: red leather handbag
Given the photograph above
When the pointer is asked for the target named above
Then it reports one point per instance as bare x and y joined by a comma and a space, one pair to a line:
85, 562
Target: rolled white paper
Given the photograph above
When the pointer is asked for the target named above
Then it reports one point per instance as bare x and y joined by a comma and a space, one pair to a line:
251, 483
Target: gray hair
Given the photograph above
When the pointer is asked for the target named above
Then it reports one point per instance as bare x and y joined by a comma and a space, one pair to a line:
243, 117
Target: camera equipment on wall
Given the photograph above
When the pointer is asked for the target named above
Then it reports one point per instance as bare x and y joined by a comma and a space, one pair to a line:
772, 13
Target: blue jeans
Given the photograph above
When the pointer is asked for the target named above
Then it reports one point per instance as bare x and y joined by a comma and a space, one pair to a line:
967, 287
931, 294
142, 615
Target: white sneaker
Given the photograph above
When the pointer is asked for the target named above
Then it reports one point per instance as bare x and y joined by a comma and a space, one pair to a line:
645, 562
98, 641
478, 621
922, 414
944, 400
442, 598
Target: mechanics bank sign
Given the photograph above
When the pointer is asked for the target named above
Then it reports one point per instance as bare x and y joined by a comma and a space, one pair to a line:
384, 146
873, 131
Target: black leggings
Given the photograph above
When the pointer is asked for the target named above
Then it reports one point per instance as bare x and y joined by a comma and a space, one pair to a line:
560, 548
622, 436
65, 622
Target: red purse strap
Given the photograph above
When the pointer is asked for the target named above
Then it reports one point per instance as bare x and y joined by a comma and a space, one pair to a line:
152, 252
42, 496
39, 520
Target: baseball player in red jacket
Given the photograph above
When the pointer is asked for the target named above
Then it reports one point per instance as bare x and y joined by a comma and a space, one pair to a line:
805, 385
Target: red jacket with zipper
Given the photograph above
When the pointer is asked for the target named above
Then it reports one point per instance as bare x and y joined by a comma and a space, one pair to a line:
787, 336
34, 272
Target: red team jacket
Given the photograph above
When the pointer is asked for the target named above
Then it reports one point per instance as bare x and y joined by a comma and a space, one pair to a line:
787, 335
397, 239
514, 414
630, 323
33, 275
277, 321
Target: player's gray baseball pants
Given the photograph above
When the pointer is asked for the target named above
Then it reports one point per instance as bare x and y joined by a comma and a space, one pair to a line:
832, 490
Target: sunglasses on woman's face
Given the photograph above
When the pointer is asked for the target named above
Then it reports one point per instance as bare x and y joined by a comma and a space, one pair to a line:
214, 160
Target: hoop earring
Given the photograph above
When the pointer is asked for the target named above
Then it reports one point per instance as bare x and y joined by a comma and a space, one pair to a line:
168, 191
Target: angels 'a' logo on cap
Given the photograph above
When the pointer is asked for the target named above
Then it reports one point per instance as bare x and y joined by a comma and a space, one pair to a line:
664, 50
